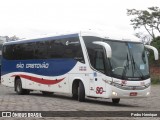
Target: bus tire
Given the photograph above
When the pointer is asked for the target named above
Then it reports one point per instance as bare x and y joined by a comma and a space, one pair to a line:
81, 92
46, 93
18, 87
26, 92
115, 100
75, 96
75, 89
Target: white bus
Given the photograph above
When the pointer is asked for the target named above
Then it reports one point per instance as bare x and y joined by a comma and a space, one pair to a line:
81, 64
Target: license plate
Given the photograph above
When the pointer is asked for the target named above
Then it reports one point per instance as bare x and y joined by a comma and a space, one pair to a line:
133, 94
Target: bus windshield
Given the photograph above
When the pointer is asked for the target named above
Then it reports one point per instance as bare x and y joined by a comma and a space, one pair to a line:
129, 59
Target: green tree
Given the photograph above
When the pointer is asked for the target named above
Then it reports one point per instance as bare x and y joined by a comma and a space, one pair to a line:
145, 38
155, 43
149, 19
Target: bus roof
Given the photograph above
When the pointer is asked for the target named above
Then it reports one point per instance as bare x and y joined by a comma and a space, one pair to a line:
42, 39
68, 35
114, 37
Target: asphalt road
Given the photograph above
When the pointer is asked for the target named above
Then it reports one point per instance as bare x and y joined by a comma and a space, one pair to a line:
10, 101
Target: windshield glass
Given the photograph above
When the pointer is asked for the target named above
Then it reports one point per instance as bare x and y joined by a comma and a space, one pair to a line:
129, 59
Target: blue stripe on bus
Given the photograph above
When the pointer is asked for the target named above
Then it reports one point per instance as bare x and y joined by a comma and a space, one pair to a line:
42, 39
52, 67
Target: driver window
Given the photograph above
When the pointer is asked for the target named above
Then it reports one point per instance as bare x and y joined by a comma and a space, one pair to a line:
99, 61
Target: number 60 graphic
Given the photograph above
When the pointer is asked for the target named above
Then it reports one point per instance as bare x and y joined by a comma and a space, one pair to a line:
99, 90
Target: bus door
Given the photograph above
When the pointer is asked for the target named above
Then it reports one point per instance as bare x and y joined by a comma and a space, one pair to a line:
97, 84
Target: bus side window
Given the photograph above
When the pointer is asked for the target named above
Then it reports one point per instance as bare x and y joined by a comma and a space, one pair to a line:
74, 50
99, 61
41, 50
8, 52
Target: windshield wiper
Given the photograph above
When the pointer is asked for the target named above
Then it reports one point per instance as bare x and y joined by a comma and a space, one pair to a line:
125, 68
136, 68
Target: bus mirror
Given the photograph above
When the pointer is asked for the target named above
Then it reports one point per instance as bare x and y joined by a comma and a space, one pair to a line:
106, 46
154, 50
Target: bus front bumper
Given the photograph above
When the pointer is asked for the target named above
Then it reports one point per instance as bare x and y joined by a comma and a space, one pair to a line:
120, 93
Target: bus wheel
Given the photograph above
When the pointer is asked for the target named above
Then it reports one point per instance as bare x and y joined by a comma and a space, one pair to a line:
81, 92
75, 90
115, 100
19, 89
47, 93
75, 96
26, 92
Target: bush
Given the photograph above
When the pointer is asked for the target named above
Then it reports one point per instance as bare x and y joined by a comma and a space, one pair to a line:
155, 79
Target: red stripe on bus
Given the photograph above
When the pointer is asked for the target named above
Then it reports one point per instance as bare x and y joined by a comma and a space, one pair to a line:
40, 80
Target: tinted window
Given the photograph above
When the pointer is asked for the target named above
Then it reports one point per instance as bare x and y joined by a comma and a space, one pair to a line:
8, 52
40, 50
17, 52
99, 61
1, 47
24, 51
61, 48
96, 53
66, 48
57, 49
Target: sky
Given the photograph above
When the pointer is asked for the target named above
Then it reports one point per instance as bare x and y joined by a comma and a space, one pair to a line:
30, 18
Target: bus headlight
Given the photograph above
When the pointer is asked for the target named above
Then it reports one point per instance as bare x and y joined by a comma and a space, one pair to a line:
148, 93
114, 93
